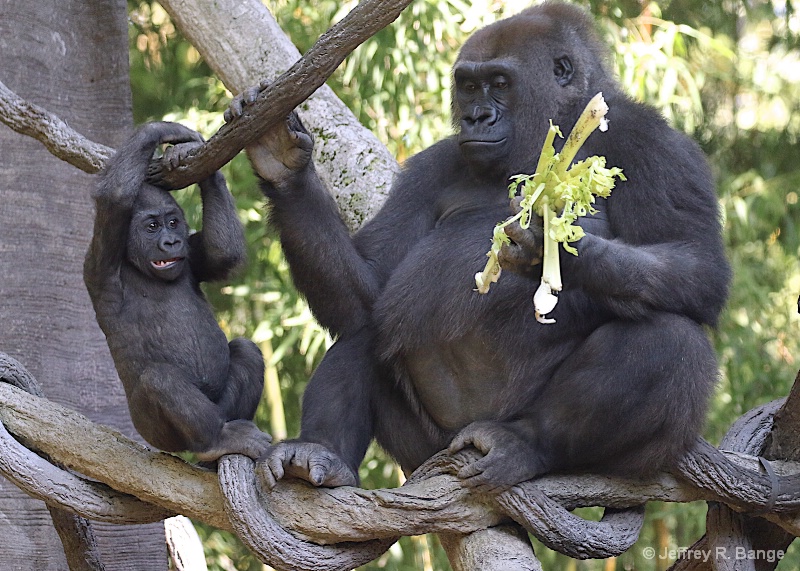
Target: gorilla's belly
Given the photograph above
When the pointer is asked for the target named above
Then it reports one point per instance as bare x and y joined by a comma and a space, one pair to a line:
458, 382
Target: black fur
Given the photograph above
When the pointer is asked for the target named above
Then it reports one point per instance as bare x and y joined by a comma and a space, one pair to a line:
187, 387
619, 383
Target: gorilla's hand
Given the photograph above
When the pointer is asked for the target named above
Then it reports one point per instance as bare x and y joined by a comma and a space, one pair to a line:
175, 153
526, 247
306, 460
283, 150
508, 458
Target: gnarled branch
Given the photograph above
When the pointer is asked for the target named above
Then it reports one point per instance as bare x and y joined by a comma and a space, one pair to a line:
347, 526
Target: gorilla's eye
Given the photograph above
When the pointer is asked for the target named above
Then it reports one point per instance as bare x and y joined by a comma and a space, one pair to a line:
469, 86
563, 70
500, 83
173, 223
152, 226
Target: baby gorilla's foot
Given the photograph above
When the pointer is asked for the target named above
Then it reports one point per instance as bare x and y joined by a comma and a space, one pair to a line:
237, 437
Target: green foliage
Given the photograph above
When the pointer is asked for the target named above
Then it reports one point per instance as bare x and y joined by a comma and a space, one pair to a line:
728, 73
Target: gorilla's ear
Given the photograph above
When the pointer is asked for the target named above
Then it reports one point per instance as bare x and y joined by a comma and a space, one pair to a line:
563, 70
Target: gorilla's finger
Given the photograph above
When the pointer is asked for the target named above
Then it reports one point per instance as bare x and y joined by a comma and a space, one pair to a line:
265, 475
251, 94
234, 109
238, 103
317, 474
470, 471
301, 140
276, 464
530, 238
513, 255
174, 154
462, 440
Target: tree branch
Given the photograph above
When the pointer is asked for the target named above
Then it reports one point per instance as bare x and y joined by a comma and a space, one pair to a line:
354, 166
244, 45
433, 501
280, 97
58, 137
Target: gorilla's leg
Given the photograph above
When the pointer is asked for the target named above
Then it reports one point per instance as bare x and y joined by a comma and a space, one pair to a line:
349, 399
631, 398
171, 413
403, 429
242, 393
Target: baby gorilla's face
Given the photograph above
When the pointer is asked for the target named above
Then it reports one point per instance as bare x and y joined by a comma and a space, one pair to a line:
158, 235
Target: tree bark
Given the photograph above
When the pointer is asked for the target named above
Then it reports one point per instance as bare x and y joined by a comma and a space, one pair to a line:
767, 430
72, 59
479, 550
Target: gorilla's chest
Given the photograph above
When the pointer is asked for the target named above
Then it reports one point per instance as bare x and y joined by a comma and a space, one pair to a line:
175, 325
466, 353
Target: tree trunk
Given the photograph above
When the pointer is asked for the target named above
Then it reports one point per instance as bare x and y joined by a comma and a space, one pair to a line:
72, 59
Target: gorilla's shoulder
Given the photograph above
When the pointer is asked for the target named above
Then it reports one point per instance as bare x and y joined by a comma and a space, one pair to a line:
443, 157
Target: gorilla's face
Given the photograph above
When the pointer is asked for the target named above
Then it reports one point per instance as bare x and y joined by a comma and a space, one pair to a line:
510, 80
158, 235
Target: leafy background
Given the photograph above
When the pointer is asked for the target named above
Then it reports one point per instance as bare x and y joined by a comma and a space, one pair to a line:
726, 72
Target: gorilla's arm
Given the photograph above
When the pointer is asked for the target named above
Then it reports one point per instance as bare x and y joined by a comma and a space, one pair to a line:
114, 197
337, 282
662, 249
680, 277
340, 276
667, 253
219, 247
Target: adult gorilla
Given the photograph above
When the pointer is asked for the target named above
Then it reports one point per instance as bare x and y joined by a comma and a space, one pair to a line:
619, 383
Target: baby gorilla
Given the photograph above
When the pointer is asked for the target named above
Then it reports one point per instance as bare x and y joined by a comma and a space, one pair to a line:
187, 387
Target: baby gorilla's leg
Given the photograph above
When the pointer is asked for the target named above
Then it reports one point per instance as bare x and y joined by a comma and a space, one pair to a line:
245, 384
173, 414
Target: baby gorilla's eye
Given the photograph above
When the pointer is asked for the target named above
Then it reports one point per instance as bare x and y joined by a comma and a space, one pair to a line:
152, 226
173, 223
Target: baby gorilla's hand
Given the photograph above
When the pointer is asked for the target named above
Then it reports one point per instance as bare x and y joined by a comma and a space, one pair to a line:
306, 460
508, 458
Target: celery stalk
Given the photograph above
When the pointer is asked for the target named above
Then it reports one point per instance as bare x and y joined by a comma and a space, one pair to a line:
556, 186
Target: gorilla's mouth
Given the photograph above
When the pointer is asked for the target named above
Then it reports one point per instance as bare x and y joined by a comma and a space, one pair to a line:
164, 264
482, 142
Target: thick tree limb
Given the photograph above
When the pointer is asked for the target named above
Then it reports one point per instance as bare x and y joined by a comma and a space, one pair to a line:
771, 430
59, 138
75, 531
270, 541
288, 91
501, 548
432, 502
184, 544
106, 455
